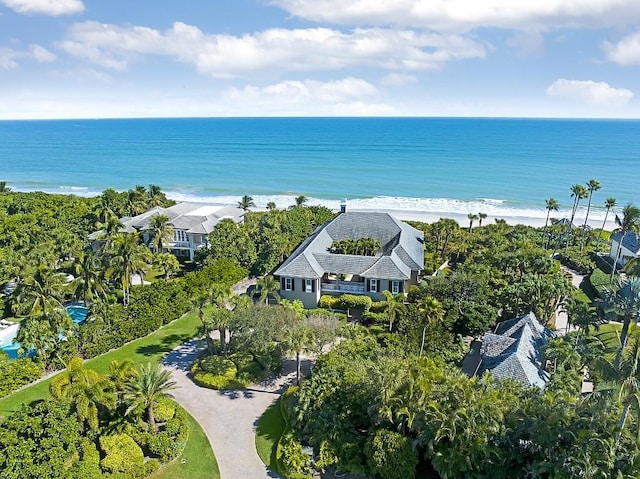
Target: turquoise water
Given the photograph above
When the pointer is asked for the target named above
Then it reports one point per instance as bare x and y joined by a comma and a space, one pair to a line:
498, 166
78, 315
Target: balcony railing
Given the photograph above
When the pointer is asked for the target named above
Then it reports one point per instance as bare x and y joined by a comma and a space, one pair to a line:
343, 287
179, 244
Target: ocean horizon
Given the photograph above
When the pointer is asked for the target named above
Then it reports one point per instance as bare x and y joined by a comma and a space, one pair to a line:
498, 166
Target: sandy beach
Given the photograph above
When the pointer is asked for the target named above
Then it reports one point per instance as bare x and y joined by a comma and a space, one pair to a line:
432, 217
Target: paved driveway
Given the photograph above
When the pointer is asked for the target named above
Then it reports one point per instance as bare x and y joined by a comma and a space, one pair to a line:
229, 418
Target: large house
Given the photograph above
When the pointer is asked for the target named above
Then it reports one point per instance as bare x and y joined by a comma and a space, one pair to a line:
512, 351
191, 224
313, 269
630, 247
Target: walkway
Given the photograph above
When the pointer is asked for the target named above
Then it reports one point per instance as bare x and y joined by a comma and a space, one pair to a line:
228, 417
561, 314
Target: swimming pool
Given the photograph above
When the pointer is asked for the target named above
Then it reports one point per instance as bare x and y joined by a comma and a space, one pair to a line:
77, 311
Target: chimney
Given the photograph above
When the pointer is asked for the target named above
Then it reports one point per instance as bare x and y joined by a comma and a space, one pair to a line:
343, 206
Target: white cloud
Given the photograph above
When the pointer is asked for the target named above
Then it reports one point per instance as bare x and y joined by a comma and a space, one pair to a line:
626, 51
46, 7
306, 91
463, 15
273, 50
594, 93
398, 79
41, 54
9, 56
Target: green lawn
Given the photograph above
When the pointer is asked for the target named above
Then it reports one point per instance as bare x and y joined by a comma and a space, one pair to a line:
609, 334
197, 461
151, 348
270, 428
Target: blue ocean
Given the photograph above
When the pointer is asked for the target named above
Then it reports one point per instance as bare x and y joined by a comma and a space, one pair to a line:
498, 166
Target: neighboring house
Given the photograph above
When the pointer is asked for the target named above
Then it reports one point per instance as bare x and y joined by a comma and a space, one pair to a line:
191, 225
630, 247
312, 270
512, 351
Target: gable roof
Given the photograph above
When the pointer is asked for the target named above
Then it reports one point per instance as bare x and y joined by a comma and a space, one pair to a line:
514, 350
631, 241
402, 249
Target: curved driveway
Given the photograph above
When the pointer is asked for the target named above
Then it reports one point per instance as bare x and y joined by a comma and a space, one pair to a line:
229, 418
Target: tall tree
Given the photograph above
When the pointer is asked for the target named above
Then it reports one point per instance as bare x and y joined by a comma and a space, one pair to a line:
4, 188
431, 311
265, 287
89, 281
592, 185
395, 304
39, 293
127, 257
160, 231
629, 221
551, 205
297, 338
88, 392
472, 218
578, 192
167, 262
481, 216
151, 384
301, 200
246, 202
608, 204
137, 200
271, 206
624, 302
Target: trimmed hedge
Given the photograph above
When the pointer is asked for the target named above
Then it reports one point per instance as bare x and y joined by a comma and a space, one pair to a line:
216, 372
599, 280
391, 455
122, 455
581, 261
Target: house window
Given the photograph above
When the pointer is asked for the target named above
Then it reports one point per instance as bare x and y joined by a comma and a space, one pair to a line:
395, 287
373, 285
308, 285
180, 235
288, 284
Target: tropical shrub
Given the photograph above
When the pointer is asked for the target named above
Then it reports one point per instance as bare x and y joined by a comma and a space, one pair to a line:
580, 261
391, 455
295, 462
328, 301
16, 373
164, 410
216, 372
122, 455
349, 301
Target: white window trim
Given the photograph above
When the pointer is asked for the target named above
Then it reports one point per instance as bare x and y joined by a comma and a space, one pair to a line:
395, 287
373, 285
288, 284
308, 285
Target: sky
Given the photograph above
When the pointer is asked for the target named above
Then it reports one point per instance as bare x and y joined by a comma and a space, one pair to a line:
191, 58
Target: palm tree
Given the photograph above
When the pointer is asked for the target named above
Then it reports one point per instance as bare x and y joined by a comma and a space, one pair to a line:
246, 202
301, 200
624, 302
551, 205
271, 206
265, 287
151, 384
167, 262
432, 311
155, 196
395, 304
629, 221
592, 185
87, 391
127, 258
40, 293
161, 231
4, 188
472, 218
137, 200
629, 394
298, 338
578, 192
481, 216
608, 204
88, 283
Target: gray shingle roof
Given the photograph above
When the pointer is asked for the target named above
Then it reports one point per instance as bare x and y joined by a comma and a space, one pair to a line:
191, 217
514, 350
402, 249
